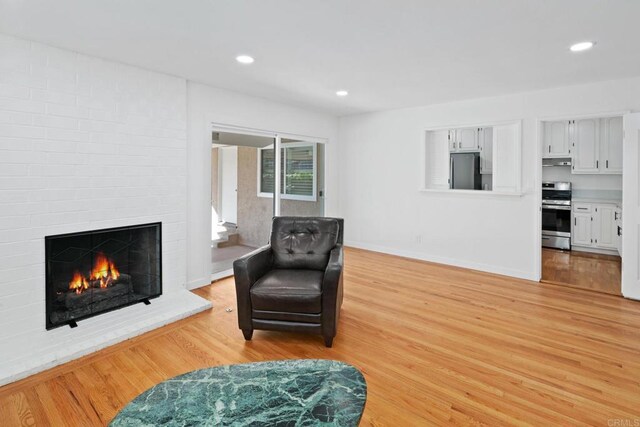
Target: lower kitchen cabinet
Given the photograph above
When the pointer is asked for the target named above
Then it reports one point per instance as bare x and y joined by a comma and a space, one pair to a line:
594, 226
581, 235
605, 225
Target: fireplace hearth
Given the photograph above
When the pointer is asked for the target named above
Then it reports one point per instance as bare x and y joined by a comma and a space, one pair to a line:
92, 272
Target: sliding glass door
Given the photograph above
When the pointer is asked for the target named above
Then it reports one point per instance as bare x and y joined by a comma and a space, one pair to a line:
246, 170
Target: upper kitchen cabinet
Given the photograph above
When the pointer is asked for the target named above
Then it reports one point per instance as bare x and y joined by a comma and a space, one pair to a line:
585, 137
485, 142
556, 139
611, 145
463, 140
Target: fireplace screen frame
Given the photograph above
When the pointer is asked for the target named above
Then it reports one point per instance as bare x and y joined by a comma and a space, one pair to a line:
50, 286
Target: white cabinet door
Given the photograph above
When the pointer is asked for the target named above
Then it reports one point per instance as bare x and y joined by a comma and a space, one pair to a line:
507, 160
556, 139
611, 145
581, 232
485, 137
604, 224
584, 134
467, 139
436, 174
453, 144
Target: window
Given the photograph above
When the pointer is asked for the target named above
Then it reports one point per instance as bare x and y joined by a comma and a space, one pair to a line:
485, 158
298, 168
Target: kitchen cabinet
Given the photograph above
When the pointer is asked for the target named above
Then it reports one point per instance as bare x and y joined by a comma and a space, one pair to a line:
585, 137
594, 225
605, 229
463, 140
485, 142
618, 217
611, 145
581, 232
556, 139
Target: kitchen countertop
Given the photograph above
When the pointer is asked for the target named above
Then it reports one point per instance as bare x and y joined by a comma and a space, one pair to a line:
597, 196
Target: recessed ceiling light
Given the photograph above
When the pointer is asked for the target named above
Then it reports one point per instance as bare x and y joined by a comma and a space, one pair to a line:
582, 46
342, 93
244, 59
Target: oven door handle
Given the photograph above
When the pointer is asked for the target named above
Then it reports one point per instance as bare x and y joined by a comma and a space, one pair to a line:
557, 207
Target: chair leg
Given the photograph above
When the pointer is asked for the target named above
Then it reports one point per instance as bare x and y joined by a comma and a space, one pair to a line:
328, 341
248, 333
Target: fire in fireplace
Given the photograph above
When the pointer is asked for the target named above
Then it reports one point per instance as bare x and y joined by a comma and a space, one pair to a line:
103, 274
92, 272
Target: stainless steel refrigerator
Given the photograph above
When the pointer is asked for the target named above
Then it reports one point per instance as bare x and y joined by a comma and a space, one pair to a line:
464, 171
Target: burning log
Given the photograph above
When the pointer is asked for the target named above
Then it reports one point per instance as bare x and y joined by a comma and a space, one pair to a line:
72, 305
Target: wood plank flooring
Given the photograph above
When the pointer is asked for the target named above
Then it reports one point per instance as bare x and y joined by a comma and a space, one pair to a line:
583, 270
437, 345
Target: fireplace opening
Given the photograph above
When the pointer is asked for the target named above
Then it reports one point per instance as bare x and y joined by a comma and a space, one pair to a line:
92, 272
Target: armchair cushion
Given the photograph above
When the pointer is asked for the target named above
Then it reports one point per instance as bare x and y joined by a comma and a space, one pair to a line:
303, 243
287, 290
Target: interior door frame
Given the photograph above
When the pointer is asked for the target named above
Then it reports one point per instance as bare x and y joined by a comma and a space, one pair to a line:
539, 121
277, 136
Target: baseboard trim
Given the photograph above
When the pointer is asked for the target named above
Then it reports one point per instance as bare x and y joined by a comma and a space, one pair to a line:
444, 260
600, 251
222, 274
198, 283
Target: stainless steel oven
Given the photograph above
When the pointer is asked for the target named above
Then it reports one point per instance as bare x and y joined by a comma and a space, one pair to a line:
556, 215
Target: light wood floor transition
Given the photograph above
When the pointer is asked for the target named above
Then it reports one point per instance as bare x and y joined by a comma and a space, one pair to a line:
437, 345
583, 270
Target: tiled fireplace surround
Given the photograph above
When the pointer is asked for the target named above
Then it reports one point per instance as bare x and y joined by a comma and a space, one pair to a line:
84, 144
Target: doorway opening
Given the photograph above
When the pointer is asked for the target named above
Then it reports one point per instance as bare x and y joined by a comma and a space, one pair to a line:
581, 202
245, 170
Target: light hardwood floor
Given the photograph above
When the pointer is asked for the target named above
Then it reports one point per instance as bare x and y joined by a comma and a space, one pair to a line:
583, 270
437, 345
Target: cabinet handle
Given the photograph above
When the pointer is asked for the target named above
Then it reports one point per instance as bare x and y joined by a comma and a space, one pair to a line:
575, 221
597, 164
607, 164
549, 149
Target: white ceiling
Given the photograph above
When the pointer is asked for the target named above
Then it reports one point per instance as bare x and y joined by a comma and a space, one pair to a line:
386, 53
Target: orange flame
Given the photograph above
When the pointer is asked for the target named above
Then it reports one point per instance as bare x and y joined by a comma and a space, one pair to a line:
104, 270
78, 283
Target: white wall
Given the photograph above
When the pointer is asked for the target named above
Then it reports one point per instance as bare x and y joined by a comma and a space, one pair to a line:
84, 144
380, 176
206, 105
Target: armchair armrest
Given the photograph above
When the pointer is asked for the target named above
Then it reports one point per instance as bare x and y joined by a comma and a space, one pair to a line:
332, 291
247, 270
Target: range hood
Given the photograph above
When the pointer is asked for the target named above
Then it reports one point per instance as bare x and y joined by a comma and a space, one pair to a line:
561, 161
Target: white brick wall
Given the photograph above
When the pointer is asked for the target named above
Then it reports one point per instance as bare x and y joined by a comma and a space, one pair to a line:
84, 144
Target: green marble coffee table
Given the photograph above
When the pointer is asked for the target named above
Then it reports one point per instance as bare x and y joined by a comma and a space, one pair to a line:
280, 393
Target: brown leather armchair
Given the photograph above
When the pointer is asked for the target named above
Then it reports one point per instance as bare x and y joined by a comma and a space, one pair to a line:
295, 283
